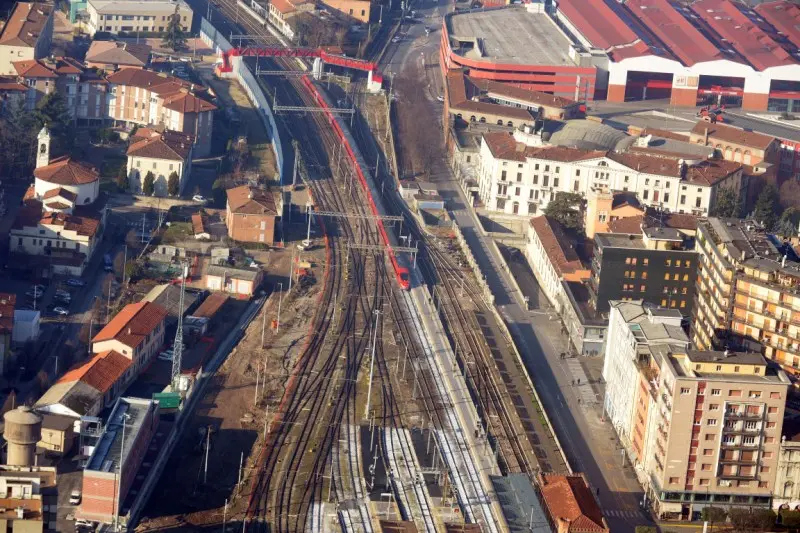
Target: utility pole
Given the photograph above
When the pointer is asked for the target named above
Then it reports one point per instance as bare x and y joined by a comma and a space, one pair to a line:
296, 160
291, 272
263, 323
280, 298
208, 446
372, 362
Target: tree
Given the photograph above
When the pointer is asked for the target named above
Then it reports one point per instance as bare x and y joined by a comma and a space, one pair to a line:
790, 194
174, 38
713, 515
173, 184
122, 178
763, 519
566, 209
149, 185
18, 136
727, 204
133, 270
741, 519
790, 519
52, 112
788, 222
218, 192
766, 206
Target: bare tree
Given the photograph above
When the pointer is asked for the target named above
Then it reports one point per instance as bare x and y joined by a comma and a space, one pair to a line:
418, 142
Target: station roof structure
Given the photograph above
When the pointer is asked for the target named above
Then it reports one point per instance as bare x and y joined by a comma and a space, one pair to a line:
682, 38
784, 16
743, 35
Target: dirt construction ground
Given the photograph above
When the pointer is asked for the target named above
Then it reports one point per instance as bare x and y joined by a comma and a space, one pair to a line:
187, 497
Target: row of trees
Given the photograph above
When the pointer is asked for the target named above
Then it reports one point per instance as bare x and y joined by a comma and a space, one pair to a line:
751, 520
777, 209
149, 182
420, 141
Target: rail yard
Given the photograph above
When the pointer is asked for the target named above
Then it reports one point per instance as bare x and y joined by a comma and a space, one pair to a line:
402, 403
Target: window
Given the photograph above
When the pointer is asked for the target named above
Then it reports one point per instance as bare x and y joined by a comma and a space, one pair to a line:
715, 392
576, 186
674, 480
642, 288
666, 277
683, 304
775, 395
154, 165
503, 175
770, 425
555, 181
666, 195
516, 191
769, 440
170, 166
535, 178
683, 199
707, 452
703, 482
772, 410
698, 201
645, 261
547, 168
536, 166
627, 260
755, 394
734, 392
764, 469
663, 303
705, 467
709, 436
767, 455
675, 277
685, 390
644, 275
578, 173
138, 164
668, 262
545, 181
646, 194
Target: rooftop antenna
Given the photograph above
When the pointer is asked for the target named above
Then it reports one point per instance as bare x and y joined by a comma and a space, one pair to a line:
177, 347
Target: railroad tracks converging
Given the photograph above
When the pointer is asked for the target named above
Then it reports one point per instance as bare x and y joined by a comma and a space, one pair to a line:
319, 409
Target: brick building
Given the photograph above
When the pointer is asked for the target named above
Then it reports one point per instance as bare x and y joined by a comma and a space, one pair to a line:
111, 469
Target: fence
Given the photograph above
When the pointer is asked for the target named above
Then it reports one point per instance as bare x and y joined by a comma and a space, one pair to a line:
212, 37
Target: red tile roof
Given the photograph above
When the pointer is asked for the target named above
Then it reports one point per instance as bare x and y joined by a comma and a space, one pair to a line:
100, 372
171, 145
604, 28
25, 24
211, 305
743, 35
197, 224
84, 226
65, 171
7, 303
178, 95
118, 53
732, 134
784, 16
559, 247
132, 324
249, 200
60, 191
184, 102
680, 36
568, 498
504, 146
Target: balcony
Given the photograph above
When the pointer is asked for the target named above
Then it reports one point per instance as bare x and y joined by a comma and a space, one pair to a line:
743, 415
738, 477
743, 462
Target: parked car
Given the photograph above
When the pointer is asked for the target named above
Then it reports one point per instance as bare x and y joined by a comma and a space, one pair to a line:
440, 98
75, 497
166, 356
60, 311
74, 282
199, 198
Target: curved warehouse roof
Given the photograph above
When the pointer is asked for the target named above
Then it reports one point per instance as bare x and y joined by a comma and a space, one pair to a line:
587, 135
677, 33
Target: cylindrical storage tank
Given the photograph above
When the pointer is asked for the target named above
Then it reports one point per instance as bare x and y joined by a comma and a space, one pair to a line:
23, 429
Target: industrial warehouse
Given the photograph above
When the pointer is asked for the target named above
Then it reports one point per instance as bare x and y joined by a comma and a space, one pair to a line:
709, 51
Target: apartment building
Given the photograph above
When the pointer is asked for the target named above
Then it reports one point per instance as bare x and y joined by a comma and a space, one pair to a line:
137, 332
703, 427
27, 35
552, 255
518, 179
655, 264
251, 214
131, 16
162, 154
747, 291
144, 97
29, 496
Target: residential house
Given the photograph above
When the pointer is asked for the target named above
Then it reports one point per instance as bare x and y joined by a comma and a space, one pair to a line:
251, 214
126, 16
552, 255
27, 34
111, 56
143, 97
137, 332
162, 154
239, 281
357, 9
88, 388
7, 304
604, 206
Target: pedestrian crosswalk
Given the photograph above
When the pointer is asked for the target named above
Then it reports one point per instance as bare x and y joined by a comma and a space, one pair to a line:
619, 513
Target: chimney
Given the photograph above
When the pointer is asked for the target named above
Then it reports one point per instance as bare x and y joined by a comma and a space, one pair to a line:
705, 137
129, 331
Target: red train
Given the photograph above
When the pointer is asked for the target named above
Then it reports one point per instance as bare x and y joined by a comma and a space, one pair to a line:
401, 272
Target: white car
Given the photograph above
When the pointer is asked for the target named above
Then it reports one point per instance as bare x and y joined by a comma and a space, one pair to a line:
440, 98
60, 311
198, 198
75, 497
396, 39
165, 356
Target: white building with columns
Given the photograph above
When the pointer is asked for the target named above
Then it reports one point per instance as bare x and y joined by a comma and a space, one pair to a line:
519, 179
